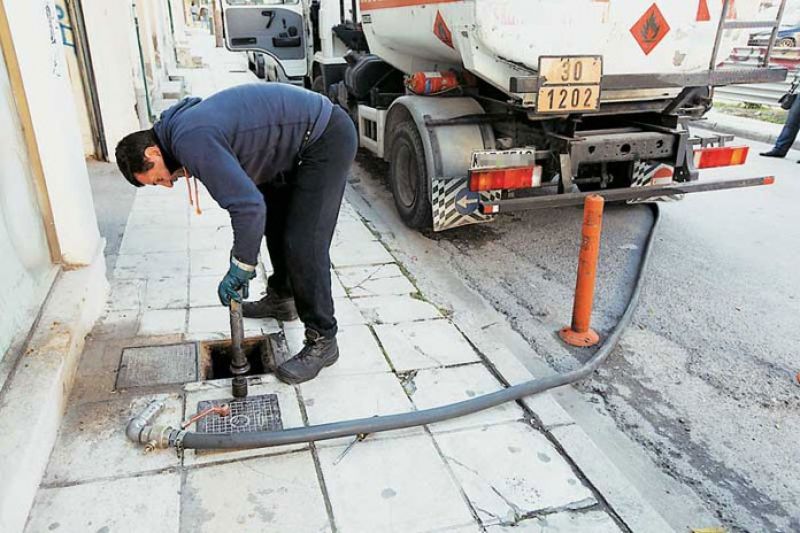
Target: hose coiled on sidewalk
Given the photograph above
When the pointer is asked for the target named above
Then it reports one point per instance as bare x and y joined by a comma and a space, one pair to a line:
182, 439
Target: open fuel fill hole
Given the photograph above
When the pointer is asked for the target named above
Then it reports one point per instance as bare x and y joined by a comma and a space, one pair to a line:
261, 352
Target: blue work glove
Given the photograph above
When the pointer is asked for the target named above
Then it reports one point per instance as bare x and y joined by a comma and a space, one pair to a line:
237, 279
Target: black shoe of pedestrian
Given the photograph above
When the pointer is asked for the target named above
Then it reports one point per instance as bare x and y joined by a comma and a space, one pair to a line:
317, 353
271, 306
772, 153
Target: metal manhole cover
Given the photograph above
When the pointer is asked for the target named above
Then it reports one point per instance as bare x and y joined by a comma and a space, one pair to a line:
254, 413
147, 366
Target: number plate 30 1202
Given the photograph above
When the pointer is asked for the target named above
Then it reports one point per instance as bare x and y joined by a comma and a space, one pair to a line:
568, 98
569, 84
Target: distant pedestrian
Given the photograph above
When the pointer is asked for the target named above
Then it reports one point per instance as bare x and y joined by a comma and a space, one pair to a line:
195, 11
790, 128
276, 157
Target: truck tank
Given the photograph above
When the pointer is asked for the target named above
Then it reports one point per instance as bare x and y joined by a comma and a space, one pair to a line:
499, 39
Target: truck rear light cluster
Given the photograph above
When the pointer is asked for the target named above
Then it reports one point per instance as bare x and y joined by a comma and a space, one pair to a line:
720, 156
505, 178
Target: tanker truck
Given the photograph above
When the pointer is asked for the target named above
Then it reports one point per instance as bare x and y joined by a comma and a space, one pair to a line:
483, 107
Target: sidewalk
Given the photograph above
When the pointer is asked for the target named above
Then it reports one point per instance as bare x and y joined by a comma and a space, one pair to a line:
746, 128
399, 352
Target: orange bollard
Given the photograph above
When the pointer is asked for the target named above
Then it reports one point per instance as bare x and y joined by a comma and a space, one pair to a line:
580, 333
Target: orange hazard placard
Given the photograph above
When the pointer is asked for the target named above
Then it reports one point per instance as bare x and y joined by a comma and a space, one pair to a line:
650, 29
703, 14
441, 30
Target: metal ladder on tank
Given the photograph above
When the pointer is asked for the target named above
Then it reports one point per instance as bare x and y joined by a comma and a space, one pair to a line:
725, 24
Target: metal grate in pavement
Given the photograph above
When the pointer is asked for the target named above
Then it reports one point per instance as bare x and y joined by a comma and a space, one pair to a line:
147, 366
254, 413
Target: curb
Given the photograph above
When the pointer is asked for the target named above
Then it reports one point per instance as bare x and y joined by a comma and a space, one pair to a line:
739, 131
41, 384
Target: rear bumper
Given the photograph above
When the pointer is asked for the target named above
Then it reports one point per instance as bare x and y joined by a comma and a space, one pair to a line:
705, 78
628, 193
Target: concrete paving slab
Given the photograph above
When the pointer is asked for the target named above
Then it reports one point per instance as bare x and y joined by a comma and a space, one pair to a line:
211, 238
441, 386
347, 253
155, 239
548, 410
279, 493
211, 218
143, 218
349, 230
337, 289
429, 344
347, 314
572, 522
203, 291
116, 324
394, 309
209, 262
208, 323
359, 352
354, 276
395, 485
170, 292
376, 280
331, 399
149, 502
510, 470
220, 389
348, 214
92, 443
126, 294
162, 322
152, 265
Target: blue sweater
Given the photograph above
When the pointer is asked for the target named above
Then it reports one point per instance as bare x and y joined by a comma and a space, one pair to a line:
239, 138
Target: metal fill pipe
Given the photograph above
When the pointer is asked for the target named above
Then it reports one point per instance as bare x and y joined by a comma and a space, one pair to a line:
240, 366
428, 416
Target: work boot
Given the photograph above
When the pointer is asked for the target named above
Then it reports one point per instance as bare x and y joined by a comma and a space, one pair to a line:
772, 153
317, 353
271, 306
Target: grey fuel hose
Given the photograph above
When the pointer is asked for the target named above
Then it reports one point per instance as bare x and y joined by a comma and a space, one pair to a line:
183, 439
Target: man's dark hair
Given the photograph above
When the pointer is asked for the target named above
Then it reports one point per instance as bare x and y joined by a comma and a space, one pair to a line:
130, 154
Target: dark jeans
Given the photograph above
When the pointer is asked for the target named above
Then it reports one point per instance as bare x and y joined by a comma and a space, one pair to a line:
790, 129
301, 217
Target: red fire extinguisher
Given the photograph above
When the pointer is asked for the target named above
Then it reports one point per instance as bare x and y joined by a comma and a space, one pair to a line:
431, 83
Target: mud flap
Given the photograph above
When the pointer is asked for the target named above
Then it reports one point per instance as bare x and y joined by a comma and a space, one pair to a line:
647, 173
454, 205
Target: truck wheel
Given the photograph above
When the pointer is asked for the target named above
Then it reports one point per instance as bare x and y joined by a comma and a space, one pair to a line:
409, 177
260, 67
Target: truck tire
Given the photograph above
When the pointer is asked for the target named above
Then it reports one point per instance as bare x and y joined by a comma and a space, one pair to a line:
259, 70
318, 85
409, 177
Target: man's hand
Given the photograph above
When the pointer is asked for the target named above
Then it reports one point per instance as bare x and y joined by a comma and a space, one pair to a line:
237, 279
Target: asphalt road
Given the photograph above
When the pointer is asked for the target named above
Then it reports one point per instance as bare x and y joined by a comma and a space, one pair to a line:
703, 382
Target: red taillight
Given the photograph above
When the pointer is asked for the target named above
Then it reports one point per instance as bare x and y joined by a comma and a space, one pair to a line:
505, 178
720, 156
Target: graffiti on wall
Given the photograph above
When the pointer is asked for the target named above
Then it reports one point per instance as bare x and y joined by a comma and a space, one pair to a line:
67, 37
57, 66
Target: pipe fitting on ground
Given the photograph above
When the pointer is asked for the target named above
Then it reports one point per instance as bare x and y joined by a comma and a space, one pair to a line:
138, 424
140, 429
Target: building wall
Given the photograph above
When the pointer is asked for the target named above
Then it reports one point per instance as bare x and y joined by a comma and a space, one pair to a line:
71, 53
40, 53
111, 33
26, 270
